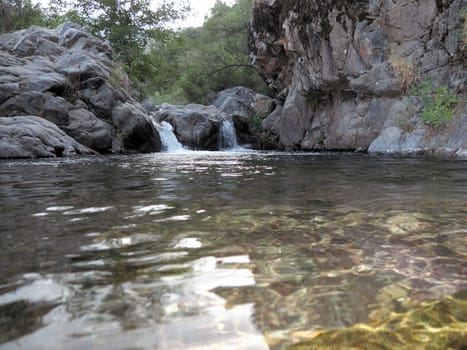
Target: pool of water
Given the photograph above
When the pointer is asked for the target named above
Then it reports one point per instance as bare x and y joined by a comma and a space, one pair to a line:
239, 250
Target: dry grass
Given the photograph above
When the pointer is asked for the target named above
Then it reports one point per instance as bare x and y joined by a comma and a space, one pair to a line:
404, 71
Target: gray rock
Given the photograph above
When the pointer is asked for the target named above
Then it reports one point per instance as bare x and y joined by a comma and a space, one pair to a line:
31, 137
379, 81
195, 126
67, 77
53, 108
133, 131
388, 142
270, 129
345, 66
235, 102
295, 120
35, 41
77, 37
242, 105
89, 130
263, 104
82, 64
100, 97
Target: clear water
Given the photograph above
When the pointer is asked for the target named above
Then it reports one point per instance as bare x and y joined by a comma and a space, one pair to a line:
236, 250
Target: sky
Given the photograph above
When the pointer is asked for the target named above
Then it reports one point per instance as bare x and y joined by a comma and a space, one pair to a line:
200, 8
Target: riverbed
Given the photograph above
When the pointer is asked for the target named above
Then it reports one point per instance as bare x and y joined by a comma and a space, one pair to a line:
233, 250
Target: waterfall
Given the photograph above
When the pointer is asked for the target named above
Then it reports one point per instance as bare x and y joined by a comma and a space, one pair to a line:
168, 138
227, 135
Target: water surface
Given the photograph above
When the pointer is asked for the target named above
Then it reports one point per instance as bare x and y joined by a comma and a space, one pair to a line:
237, 250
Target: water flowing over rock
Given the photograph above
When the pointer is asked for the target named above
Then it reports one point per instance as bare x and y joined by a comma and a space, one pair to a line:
341, 71
242, 105
227, 135
196, 126
168, 138
67, 76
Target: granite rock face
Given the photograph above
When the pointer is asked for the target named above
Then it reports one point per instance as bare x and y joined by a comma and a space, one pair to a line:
342, 69
33, 137
67, 77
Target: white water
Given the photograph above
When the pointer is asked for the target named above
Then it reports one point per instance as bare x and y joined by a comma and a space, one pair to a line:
227, 135
168, 138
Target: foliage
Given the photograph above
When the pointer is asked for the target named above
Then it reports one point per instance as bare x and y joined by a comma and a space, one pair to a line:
438, 103
127, 25
19, 14
211, 58
258, 120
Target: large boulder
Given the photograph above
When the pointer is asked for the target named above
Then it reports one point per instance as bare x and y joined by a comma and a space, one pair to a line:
196, 126
134, 131
67, 76
31, 137
341, 68
89, 130
245, 108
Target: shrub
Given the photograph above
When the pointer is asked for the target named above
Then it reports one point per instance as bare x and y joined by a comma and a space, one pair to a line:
404, 71
438, 103
258, 120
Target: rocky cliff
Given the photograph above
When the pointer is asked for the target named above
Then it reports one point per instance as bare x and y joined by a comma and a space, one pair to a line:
345, 70
61, 93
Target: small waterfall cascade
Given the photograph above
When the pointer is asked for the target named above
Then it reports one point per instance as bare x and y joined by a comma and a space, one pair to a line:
168, 138
227, 135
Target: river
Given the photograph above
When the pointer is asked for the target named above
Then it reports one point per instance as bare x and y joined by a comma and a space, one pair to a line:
233, 250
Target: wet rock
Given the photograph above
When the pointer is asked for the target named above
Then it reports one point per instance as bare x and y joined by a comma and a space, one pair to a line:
195, 126
31, 137
133, 130
238, 104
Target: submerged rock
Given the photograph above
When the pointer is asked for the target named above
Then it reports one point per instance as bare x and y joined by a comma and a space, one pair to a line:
341, 69
67, 76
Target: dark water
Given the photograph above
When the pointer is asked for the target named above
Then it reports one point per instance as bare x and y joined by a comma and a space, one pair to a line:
233, 251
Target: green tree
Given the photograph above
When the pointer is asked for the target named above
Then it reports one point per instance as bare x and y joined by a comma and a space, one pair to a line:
213, 57
128, 26
19, 14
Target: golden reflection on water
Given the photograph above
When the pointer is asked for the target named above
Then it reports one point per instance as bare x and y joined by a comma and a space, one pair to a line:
439, 325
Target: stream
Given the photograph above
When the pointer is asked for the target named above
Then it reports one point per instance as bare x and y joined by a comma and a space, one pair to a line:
233, 250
